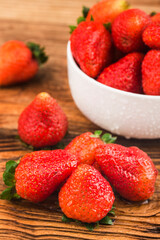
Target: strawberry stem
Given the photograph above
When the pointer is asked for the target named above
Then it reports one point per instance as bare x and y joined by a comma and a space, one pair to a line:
38, 52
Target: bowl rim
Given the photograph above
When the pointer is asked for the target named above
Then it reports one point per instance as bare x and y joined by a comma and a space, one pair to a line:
114, 90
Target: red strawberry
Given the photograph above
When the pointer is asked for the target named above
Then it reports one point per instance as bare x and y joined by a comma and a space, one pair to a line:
156, 17
124, 74
86, 196
150, 73
42, 123
91, 47
19, 62
40, 173
127, 30
107, 10
84, 145
129, 170
151, 35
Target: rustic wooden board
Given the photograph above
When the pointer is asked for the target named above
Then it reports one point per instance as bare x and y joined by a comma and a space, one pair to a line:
46, 22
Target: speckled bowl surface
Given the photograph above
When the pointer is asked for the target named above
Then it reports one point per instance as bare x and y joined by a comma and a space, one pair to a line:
127, 114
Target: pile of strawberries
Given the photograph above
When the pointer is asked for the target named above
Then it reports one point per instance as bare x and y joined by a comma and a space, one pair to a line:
79, 171
119, 47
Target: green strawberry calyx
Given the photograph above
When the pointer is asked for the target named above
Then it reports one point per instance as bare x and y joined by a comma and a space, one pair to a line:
107, 220
38, 52
152, 14
80, 19
108, 26
85, 11
106, 137
9, 180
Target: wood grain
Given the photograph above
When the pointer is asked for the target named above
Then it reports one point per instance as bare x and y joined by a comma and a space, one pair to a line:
46, 22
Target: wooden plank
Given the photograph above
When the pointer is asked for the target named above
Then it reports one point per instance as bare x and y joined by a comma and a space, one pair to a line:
46, 22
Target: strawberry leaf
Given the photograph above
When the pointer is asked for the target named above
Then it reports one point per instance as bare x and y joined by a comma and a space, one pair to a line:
66, 219
85, 11
91, 226
9, 193
108, 26
97, 134
106, 220
152, 14
8, 175
72, 28
107, 138
92, 19
80, 19
38, 52
112, 212
9, 179
11, 166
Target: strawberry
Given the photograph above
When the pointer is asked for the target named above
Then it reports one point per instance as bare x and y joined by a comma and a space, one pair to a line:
127, 30
91, 47
151, 35
124, 74
86, 196
129, 170
19, 62
106, 11
84, 145
150, 73
155, 17
38, 174
42, 123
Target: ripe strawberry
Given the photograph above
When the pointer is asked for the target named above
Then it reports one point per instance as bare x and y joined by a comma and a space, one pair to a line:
124, 74
42, 123
84, 145
127, 30
86, 196
156, 17
129, 170
19, 62
107, 10
40, 173
91, 47
151, 35
150, 73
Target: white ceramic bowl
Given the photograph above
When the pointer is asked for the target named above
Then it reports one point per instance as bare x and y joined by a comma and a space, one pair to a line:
123, 113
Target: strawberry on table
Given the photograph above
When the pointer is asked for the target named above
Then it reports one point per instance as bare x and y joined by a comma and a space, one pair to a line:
151, 73
43, 122
151, 35
19, 62
124, 74
91, 47
84, 145
105, 11
38, 174
127, 30
129, 170
86, 196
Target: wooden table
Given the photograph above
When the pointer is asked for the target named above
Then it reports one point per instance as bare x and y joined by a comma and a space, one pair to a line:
46, 22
